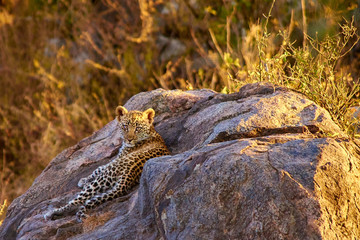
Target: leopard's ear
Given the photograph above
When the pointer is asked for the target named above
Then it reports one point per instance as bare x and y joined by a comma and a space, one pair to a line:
149, 114
120, 112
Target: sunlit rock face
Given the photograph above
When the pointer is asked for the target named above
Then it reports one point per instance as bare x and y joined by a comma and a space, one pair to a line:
262, 163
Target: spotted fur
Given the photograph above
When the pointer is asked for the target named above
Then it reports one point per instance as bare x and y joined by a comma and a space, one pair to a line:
140, 143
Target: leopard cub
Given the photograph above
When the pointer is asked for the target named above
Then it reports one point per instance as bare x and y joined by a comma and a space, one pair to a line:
140, 143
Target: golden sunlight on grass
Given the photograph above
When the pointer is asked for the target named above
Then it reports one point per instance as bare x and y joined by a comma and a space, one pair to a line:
2, 211
6, 18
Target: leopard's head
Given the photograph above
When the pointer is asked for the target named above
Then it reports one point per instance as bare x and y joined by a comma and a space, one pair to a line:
135, 125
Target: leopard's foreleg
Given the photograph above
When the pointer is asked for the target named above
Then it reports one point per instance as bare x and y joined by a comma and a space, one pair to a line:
88, 192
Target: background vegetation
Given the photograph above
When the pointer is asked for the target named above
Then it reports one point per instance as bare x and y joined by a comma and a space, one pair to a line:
65, 65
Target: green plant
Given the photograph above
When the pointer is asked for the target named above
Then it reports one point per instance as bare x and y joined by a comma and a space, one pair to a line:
312, 70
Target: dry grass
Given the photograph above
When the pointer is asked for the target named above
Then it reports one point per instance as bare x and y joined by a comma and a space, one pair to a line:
2, 211
65, 65
312, 69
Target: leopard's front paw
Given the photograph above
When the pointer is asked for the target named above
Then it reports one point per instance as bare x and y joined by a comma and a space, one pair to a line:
82, 182
49, 215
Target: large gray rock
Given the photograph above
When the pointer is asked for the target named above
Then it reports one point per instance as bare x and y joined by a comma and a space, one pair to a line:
263, 163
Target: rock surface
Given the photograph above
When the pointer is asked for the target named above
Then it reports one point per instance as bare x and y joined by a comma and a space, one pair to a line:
263, 163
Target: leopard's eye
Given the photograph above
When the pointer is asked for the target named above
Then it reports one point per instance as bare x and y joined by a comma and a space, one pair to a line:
138, 129
125, 127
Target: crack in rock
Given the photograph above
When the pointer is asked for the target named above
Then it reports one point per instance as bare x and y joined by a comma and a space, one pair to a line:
262, 132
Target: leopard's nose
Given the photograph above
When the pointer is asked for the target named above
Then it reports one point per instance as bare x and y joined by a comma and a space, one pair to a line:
131, 136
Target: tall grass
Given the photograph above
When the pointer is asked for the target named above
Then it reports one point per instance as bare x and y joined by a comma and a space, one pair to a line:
65, 65
312, 69
2, 210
